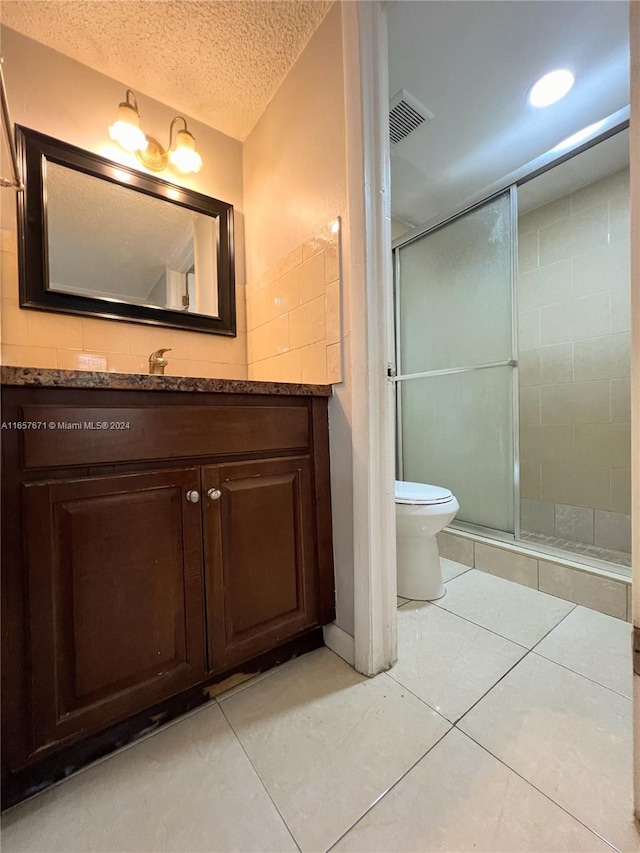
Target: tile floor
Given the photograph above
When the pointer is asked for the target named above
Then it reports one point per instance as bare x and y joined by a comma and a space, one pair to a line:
504, 726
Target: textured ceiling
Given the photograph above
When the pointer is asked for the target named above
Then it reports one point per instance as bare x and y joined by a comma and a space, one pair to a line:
219, 61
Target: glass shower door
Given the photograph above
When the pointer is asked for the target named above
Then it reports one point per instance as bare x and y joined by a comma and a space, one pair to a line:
455, 349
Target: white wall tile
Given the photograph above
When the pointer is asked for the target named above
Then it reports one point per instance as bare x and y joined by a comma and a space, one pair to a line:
604, 445
529, 329
556, 364
574, 236
556, 323
529, 366
620, 309
576, 402
602, 358
605, 268
621, 490
621, 401
560, 208
600, 190
591, 316
540, 287
613, 530
530, 404
529, 479
537, 516
527, 252
584, 317
574, 523
578, 485
545, 443
619, 224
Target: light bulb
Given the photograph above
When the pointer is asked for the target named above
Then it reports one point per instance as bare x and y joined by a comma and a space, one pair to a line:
126, 129
551, 88
184, 156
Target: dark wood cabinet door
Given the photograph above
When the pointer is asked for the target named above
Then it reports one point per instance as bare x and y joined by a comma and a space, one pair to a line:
115, 592
261, 566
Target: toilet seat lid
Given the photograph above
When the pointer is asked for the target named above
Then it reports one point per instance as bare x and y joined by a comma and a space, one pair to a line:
421, 493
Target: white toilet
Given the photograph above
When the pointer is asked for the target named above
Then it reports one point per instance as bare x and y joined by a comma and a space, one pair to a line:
421, 512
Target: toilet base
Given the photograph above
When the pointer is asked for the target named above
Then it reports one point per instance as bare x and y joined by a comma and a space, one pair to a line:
419, 569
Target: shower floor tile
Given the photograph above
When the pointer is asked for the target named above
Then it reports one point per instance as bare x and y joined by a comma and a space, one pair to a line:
620, 558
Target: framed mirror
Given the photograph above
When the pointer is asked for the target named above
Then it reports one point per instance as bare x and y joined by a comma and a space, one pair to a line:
98, 238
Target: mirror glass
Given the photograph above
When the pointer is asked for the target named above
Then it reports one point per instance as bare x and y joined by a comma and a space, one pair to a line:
110, 242
103, 240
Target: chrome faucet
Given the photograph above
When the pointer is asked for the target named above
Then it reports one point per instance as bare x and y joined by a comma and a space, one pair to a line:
157, 361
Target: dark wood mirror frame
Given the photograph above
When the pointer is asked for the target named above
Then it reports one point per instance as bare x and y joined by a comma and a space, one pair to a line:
34, 150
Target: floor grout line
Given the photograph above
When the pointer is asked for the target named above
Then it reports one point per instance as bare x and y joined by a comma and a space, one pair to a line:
582, 675
545, 795
465, 619
529, 648
511, 668
424, 701
262, 782
390, 788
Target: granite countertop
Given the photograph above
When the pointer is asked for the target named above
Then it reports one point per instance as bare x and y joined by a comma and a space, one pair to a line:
52, 378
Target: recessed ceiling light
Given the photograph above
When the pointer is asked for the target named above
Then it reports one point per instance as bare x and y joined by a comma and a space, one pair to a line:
550, 88
580, 136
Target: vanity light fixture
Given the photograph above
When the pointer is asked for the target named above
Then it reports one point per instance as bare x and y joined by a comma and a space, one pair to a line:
181, 151
551, 88
126, 129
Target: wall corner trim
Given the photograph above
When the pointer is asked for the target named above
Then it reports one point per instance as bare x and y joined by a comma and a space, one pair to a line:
339, 642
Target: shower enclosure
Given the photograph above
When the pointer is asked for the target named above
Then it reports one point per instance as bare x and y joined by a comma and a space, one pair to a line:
512, 359
457, 382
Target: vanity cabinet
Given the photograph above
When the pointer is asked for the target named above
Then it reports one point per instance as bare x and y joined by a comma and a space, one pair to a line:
259, 556
115, 597
150, 561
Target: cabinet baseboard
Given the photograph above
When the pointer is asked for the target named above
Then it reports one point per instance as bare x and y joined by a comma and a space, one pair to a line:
67, 761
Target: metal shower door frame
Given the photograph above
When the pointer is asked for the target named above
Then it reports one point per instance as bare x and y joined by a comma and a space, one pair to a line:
512, 362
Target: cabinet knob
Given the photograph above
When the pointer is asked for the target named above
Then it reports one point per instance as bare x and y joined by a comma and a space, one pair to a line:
193, 496
214, 494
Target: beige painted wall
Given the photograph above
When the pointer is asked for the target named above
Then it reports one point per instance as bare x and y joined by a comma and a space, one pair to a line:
574, 320
62, 98
295, 157
295, 181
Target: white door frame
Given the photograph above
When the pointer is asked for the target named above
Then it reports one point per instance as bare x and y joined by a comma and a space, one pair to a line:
370, 273
634, 132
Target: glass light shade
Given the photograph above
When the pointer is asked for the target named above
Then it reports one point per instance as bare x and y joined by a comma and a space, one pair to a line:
184, 156
126, 130
551, 88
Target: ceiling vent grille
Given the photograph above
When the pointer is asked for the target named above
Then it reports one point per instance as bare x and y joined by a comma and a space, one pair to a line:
406, 114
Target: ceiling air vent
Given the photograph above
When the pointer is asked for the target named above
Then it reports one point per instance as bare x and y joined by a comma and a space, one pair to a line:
406, 113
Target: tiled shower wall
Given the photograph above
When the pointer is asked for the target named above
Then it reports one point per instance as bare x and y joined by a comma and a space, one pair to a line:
574, 322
